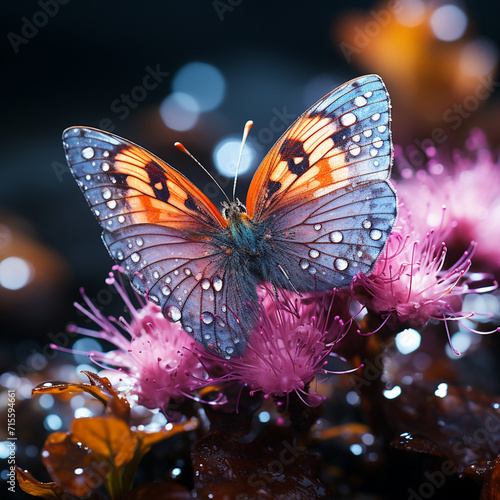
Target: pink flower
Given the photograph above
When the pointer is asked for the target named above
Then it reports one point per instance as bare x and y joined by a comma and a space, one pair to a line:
409, 284
290, 345
153, 354
468, 184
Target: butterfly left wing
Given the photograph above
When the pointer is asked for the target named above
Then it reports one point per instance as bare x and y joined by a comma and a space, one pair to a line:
163, 231
323, 189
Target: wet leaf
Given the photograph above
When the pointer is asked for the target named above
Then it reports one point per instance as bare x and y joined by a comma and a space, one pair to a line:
107, 436
36, 488
159, 491
458, 423
78, 469
100, 388
274, 466
148, 439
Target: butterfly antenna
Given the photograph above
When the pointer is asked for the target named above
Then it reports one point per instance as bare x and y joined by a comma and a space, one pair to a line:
182, 148
246, 130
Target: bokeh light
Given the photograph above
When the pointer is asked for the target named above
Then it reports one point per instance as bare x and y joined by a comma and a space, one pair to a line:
15, 273
408, 341
479, 57
203, 82
179, 111
448, 22
226, 154
411, 13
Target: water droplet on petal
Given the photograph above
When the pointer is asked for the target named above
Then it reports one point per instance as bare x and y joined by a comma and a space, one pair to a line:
341, 264
173, 313
336, 237
375, 234
88, 153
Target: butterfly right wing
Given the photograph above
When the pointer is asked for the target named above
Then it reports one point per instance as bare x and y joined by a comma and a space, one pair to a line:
167, 236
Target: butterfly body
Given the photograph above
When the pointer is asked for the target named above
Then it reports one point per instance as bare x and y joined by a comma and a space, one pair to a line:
319, 210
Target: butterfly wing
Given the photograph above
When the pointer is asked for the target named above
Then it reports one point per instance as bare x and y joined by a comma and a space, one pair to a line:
323, 189
165, 233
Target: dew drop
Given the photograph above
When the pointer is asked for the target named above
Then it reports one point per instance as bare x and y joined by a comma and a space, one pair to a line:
217, 282
378, 142
313, 253
360, 101
376, 117
368, 133
304, 264
376, 163
113, 179
313, 270
360, 253
176, 272
355, 151
373, 152
154, 298
187, 272
207, 317
341, 264
166, 291
366, 224
104, 166
105, 154
119, 255
375, 234
97, 212
88, 177
348, 119
106, 193
229, 350
205, 284
129, 245
174, 313
156, 275
207, 336
188, 329
356, 138
168, 279
111, 204
121, 219
88, 153
381, 128
139, 242
223, 308
317, 227
135, 257
368, 94
336, 237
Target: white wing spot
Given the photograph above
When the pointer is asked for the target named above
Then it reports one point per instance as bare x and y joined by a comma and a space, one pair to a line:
88, 153
355, 151
356, 138
368, 94
381, 128
348, 119
376, 117
360, 101
378, 142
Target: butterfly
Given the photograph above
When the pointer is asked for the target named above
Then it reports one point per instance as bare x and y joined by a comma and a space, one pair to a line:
319, 210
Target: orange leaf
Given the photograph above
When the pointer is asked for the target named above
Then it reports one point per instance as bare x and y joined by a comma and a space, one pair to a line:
78, 469
107, 436
36, 488
66, 390
148, 439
